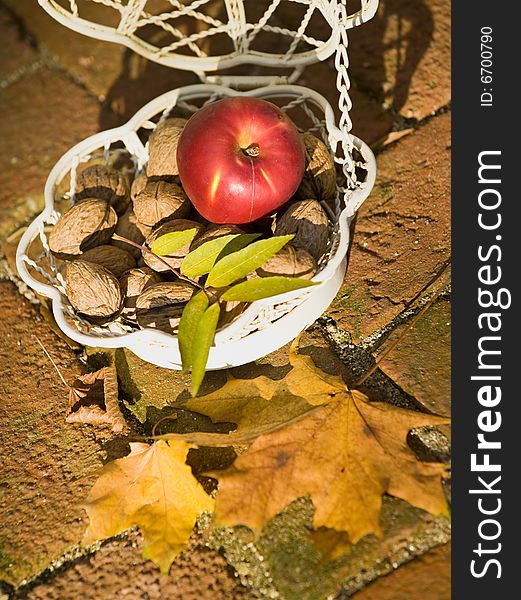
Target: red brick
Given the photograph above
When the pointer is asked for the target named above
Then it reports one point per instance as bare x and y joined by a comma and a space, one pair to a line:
402, 232
44, 114
111, 71
420, 362
370, 121
48, 467
15, 49
427, 577
97, 63
402, 57
117, 570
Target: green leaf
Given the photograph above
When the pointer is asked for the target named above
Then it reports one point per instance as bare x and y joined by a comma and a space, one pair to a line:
201, 260
237, 265
190, 319
256, 289
167, 244
203, 339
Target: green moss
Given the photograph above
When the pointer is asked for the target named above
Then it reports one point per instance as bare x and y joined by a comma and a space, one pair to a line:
283, 563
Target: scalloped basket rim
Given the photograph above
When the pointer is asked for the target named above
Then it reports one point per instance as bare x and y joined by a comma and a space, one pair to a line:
137, 339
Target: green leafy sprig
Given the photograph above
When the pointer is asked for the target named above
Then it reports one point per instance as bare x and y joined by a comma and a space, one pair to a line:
218, 268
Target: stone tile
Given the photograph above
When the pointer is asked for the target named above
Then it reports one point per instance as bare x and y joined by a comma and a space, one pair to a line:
370, 121
118, 570
402, 231
420, 362
44, 114
113, 73
95, 62
47, 466
427, 577
15, 50
402, 57
285, 560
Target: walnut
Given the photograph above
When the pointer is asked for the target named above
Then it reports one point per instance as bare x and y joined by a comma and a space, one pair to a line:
289, 262
93, 290
173, 260
308, 221
160, 201
116, 260
133, 283
213, 232
138, 185
162, 148
161, 305
319, 179
89, 223
129, 227
104, 183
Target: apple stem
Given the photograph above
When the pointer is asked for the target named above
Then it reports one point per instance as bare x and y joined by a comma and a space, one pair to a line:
252, 150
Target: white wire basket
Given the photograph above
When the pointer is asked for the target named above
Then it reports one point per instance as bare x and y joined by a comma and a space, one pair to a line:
209, 35
266, 324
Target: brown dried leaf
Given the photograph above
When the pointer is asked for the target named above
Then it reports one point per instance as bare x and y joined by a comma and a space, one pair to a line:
262, 405
390, 138
345, 455
93, 399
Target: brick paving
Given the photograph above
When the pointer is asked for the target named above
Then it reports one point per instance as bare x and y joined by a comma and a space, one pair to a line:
16, 50
402, 232
402, 56
415, 579
57, 87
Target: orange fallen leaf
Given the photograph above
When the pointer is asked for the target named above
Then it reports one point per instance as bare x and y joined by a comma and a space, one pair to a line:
330, 543
154, 489
345, 455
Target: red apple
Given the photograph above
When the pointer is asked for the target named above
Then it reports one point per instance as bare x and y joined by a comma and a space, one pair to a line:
240, 159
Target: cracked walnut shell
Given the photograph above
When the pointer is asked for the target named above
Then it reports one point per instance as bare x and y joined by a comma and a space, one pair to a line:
93, 290
319, 179
308, 221
87, 224
159, 201
105, 183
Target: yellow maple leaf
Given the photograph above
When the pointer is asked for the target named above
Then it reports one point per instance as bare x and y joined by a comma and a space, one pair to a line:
154, 489
344, 455
261, 405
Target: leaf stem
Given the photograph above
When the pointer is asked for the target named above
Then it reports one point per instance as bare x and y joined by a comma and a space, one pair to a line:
53, 363
175, 271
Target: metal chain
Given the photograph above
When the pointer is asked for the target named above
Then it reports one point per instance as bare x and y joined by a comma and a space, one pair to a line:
343, 85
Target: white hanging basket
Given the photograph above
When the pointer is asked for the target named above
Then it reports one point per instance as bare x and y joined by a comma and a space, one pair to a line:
266, 324
184, 34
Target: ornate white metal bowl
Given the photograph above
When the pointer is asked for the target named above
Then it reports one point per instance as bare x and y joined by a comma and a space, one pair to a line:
266, 324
